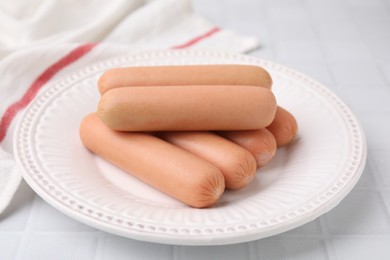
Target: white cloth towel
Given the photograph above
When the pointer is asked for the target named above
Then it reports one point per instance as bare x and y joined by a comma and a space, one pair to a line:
42, 40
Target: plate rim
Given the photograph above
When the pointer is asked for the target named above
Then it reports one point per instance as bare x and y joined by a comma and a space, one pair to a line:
178, 238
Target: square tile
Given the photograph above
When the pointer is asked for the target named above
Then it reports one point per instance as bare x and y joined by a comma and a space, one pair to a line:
364, 3
381, 163
346, 51
387, 200
253, 10
235, 251
292, 30
9, 245
318, 70
367, 180
311, 228
369, 99
15, 216
211, 12
59, 246
115, 247
365, 12
298, 50
374, 30
323, 10
385, 67
362, 212
282, 2
377, 128
357, 74
362, 248
252, 27
336, 30
45, 217
380, 50
277, 13
292, 248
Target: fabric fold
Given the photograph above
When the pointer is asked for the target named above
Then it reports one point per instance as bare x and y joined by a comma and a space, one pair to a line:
138, 26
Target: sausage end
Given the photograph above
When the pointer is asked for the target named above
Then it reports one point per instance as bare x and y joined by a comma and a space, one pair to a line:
209, 190
103, 82
244, 170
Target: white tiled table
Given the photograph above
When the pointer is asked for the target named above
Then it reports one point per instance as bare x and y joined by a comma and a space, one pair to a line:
344, 44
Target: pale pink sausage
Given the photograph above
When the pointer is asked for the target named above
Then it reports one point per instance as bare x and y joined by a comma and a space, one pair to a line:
246, 75
164, 166
260, 143
174, 108
237, 165
284, 127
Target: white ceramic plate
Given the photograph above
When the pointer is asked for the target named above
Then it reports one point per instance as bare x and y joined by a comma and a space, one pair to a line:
305, 180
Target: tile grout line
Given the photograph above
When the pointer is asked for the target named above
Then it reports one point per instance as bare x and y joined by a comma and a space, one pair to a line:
101, 239
325, 60
271, 35
380, 67
27, 230
326, 236
253, 250
380, 187
387, 5
358, 30
176, 252
331, 254
318, 237
319, 40
387, 206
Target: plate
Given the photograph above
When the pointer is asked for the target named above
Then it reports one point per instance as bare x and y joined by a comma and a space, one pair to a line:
306, 179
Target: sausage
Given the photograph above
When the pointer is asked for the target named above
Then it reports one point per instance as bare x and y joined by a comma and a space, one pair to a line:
237, 165
164, 166
284, 127
260, 143
219, 107
185, 75
201, 75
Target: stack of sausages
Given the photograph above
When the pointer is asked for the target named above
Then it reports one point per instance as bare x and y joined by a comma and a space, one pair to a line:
189, 131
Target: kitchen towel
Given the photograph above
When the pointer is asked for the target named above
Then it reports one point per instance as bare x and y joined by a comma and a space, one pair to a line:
43, 40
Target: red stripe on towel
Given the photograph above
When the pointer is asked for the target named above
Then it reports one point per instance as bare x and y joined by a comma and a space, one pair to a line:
52, 70
197, 39
41, 80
